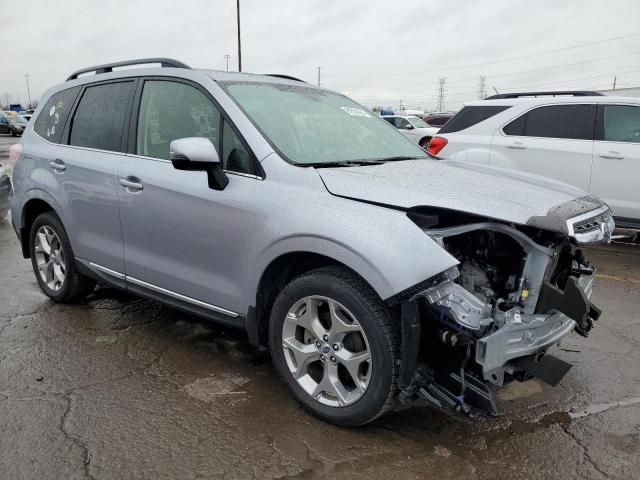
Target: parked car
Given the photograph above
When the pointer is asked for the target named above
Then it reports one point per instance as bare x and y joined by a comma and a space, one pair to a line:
6, 191
436, 120
13, 124
371, 273
581, 138
413, 128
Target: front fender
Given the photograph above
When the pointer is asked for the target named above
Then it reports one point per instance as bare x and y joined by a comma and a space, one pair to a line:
381, 245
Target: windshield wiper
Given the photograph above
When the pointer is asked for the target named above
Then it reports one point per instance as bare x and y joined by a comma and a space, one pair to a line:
398, 158
352, 163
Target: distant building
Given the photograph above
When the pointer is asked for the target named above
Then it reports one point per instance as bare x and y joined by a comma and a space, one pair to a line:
623, 92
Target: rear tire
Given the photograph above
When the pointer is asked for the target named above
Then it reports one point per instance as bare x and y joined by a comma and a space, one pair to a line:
341, 358
53, 261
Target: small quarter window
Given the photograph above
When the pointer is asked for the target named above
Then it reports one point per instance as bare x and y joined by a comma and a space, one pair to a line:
53, 116
235, 157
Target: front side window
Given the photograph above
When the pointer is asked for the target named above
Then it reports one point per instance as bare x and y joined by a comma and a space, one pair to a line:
576, 122
313, 126
172, 110
622, 123
53, 116
99, 120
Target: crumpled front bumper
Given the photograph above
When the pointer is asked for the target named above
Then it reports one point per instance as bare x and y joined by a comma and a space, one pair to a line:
525, 335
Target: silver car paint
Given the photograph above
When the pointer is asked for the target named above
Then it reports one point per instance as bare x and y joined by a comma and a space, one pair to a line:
213, 246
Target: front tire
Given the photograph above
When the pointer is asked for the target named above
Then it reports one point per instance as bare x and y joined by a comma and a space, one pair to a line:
333, 342
53, 261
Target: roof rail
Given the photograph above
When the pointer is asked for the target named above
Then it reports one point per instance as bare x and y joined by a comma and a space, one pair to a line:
108, 67
286, 77
570, 93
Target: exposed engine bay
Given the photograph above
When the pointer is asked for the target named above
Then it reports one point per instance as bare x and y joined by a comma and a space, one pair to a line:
492, 319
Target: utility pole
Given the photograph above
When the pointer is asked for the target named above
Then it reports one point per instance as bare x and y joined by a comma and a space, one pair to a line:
239, 46
319, 75
26, 75
614, 82
482, 92
441, 90
227, 57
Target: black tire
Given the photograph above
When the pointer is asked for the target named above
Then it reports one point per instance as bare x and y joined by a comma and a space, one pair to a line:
75, 286
376, 321
14, 134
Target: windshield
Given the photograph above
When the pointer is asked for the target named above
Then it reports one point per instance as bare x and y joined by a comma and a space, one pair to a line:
418, 123
311, 126
17, 120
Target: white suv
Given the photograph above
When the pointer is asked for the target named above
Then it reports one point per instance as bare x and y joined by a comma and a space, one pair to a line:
413, 128
581, 138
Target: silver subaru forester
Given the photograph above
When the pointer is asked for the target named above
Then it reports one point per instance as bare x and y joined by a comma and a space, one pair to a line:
373, 273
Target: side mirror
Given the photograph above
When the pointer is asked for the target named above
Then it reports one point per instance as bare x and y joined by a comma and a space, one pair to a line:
408, 126
198, 154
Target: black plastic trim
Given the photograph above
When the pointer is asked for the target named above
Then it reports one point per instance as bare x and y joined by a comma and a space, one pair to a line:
554, 93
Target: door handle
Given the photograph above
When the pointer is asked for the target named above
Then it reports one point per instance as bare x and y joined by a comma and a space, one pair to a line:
58, 165
516, 145
612, 154
131, 183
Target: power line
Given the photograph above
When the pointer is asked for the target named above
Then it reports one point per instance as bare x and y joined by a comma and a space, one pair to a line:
513, 73
491, 62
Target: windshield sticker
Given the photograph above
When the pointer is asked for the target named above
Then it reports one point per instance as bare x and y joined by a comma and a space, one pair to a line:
355, 112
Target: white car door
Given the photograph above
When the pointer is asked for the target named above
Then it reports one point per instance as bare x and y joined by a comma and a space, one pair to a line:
555, 141
616, 161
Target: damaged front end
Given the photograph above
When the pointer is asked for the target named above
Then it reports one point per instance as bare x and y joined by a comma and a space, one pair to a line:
517, 291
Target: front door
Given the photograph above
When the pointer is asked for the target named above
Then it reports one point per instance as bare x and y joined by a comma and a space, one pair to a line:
182, 238
555, 141
616, 162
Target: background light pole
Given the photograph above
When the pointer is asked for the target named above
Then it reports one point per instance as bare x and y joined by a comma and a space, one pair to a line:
227, 57
26, 75
239, 47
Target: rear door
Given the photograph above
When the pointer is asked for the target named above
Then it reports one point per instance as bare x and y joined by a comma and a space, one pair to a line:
555, 141
181, 238
616, 161
86, 169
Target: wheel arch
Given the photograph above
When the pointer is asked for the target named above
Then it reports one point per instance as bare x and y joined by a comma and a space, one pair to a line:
30, 211
286, 266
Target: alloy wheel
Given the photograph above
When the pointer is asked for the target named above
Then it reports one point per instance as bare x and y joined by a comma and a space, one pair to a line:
327, 351
50, 258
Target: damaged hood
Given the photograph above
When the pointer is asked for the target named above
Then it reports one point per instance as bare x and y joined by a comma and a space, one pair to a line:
492, 192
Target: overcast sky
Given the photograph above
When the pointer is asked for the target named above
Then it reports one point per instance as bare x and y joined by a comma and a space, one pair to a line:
380, 52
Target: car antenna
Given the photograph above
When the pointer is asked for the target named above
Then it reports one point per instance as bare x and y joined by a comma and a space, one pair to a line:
496, 90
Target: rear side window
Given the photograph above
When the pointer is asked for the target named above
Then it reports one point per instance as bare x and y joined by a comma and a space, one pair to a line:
622, 123
576, 122
53, 116
472, 115
99, 119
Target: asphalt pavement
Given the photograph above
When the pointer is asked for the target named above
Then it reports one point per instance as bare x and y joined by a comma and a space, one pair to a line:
119, 387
